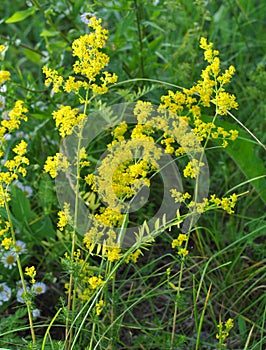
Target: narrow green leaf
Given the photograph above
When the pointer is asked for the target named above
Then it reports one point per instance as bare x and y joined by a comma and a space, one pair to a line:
49, 33
21, 15
32, 56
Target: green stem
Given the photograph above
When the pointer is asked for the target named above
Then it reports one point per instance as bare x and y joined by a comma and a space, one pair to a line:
176, 305
138, 17
71, 301
28, 302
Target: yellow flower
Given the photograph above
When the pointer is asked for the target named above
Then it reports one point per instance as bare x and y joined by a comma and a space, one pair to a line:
6, 243
183, 252
21, 148
14, 118
66, 118
4, 76
31, 272
113, 254
99, 307
95, 282
64, 217
55, 164
224, 102
192, 169
52, 77
179, 240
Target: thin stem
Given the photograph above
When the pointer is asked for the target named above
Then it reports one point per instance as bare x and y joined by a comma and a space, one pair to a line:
176, 304
28, 302
138, 17
71, 300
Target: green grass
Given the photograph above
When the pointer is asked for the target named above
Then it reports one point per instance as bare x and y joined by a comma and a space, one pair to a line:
151, 45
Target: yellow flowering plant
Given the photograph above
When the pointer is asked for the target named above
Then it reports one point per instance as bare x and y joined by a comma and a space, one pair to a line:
131, 178
133, 156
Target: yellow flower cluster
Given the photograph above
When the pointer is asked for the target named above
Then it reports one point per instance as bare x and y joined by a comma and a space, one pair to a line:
226, 203
31, 272
99, 307
52, 77
56, 163
7, 242
89, 65
14, 119
64, 217
14, 167
178, 242
4, 76
224, 329
127, 168
192, 168
66, 118
210, 89
133, 256
178, 196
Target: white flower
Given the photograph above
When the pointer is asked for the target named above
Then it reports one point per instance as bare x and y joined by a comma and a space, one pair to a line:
20, 247
5, 293
36, 313
7, 137
26, 189
9, 259
85, 17
20, 295
20, 292
39, 288
2, 102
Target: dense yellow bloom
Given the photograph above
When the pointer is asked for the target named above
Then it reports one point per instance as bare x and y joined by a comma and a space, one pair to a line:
6, 243
52, 77
4, 76
114, 254
224, 102
31, 272
133, 256
56, 163
95, 282
226, 203
64, 217
14, 119
142, 111
66, 118
21, 148
192, 169
71, 84
183, 252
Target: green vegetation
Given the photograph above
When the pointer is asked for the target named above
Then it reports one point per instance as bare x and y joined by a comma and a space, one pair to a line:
84, 264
